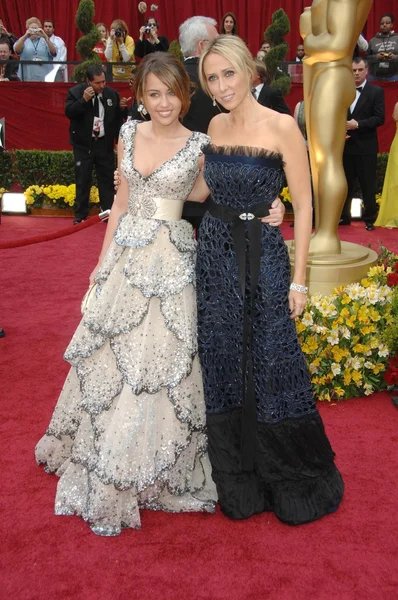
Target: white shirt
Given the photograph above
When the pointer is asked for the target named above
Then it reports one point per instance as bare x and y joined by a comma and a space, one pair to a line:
61, 48
257, 90
362, 43
357, 94
61, 56
101, 115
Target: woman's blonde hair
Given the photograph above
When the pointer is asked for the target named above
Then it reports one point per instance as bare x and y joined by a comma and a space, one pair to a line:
32, 20
170, 71
233, 49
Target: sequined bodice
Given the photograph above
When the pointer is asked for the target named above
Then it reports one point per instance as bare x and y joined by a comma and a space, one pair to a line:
173, 180
241, 176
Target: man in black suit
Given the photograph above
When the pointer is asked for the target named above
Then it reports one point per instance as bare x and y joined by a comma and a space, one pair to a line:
8, 70
95, 119
265, 94
365, 114
194, 34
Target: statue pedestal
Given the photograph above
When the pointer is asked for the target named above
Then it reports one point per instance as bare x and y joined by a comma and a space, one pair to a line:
326, 272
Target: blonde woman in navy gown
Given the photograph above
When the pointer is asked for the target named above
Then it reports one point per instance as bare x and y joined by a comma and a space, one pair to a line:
267, 444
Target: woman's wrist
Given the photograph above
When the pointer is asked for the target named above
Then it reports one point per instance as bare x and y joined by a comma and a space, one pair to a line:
297, 287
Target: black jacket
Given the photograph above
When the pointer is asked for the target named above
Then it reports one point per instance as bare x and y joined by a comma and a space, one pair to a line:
81, 115
272, 98
144, 47
369, 112
201, 110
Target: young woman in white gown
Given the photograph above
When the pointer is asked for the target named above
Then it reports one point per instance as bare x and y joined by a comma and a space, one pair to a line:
128, 431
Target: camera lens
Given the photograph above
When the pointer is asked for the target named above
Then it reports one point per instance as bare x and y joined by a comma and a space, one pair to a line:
118, 33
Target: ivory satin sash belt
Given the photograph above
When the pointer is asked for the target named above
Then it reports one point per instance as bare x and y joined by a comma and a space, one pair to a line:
167, 209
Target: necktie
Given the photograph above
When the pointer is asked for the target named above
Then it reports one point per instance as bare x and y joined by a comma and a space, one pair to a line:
96, 114
254, 92
359, 89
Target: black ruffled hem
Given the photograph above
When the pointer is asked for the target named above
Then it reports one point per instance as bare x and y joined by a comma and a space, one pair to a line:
294, 474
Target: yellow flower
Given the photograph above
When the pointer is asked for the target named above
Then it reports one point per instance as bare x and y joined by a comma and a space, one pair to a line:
339, 353
356, 377
310, 346
362, 349
300, 327
339, 392
368, 329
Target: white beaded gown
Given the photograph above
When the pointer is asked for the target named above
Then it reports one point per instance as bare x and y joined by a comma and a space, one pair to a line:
128, 431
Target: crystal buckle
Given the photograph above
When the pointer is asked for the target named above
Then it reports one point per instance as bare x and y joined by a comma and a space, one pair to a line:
246, 216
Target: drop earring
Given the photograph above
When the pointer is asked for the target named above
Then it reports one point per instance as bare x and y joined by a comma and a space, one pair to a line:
141, 108
214, 101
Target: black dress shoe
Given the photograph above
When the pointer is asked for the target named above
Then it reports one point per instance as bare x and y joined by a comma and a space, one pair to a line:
345, 222
2, 333
369, 227
78, 220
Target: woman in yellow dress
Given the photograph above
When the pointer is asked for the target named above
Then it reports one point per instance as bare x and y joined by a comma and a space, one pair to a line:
388, 213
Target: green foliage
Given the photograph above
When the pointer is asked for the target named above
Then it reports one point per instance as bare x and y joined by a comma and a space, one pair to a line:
44, 167
382, 160
84, 20
275, 35
85, 15
6, 178
40, 167
175, 49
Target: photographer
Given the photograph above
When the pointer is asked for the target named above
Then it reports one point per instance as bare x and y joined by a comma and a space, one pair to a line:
152, 43
383, 51
35, 46
119, 49
11, 38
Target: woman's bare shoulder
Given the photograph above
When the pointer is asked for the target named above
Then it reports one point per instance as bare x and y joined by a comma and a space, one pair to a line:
217, 123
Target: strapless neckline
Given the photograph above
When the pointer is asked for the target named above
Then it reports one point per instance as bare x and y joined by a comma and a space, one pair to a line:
247, 151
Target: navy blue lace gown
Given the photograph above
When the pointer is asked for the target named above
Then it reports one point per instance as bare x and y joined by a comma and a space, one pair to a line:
267, 443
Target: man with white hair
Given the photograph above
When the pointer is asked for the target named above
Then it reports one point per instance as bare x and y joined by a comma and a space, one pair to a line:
195, 33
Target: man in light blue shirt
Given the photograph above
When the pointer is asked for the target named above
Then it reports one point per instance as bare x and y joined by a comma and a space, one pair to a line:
36, 46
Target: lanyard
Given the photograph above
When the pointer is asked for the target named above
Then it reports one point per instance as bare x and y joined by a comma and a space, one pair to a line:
35, 45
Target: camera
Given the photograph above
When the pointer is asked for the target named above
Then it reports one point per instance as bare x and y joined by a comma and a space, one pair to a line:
33, 30
147, 29
118, 33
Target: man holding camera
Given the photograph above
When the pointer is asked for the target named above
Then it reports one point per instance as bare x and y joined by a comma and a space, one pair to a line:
95, 120
152, 43
120, 49
34, 46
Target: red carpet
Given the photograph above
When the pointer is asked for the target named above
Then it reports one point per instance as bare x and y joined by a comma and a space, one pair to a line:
350, 555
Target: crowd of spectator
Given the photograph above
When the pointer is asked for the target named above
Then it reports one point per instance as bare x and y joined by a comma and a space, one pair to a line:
42, 54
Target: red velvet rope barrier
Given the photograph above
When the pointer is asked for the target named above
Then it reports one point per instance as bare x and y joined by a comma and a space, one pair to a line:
52, 236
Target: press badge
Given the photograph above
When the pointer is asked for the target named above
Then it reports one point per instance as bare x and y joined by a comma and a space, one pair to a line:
37, 58
97, 124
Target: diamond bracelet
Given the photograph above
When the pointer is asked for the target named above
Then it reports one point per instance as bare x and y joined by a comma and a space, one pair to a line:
299, 288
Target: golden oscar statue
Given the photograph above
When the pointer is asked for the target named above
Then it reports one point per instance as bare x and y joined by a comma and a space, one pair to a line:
330, 29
